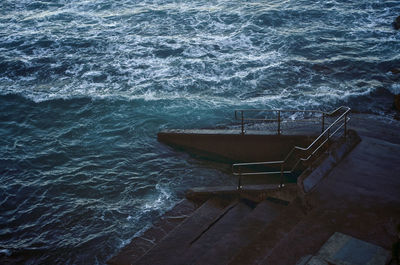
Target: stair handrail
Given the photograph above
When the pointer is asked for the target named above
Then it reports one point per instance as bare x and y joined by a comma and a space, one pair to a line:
326, 132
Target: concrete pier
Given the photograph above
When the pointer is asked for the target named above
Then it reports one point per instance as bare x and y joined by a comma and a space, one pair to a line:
231, 146
350, 209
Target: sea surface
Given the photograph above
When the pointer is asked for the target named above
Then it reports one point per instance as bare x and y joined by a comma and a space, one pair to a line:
86, 85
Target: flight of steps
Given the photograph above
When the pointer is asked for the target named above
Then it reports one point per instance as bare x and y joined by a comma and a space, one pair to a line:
272, 233
160, 228
221, 231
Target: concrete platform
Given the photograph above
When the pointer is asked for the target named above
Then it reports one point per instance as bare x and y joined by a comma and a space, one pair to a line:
356, 202
360, 197
255, 193
201, 194
341, 249
232, 147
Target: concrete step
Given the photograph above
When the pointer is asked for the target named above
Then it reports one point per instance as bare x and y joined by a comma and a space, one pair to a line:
265, 241
304, 260
219, 230
256, 193
275, 255
178, 241
241, 234
344, 249
201, 194
161, 227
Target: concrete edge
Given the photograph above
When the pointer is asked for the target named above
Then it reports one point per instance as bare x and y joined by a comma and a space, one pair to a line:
255, 193
321, 167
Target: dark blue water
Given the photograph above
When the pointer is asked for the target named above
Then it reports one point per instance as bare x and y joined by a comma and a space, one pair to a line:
86, 85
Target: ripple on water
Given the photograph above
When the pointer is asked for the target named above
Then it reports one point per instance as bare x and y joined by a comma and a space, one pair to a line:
86, 85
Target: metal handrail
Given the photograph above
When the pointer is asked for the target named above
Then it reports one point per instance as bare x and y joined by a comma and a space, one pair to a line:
325, 132
279, 116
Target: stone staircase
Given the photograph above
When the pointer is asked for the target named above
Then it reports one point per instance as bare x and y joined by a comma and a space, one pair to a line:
220, 231
259, 224
270, 235
239, 232
160, 228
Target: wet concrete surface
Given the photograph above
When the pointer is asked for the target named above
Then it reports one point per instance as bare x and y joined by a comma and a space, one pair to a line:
360, 197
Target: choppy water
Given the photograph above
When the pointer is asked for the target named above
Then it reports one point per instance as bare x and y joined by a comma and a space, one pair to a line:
86, 85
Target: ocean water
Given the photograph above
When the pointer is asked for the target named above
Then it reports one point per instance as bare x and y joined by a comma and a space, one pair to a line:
86, 85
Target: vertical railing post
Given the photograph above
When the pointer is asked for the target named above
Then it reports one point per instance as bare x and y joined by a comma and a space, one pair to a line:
239, 187
242, 123
329, 137
323, 122
345, 125
281, 180
279, 122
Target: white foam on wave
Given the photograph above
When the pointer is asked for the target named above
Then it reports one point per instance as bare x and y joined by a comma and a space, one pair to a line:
162, 200
92, 74
220, 55
340, 93
284, 98
6, 252
181, 7
138, 233
138, 75
395, 89
142, 81
318, 97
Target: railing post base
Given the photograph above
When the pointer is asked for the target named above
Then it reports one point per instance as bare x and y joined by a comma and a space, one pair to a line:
242, 123
279, 122
239, 187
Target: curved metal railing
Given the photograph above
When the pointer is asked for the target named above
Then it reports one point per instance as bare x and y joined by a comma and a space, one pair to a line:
304, 153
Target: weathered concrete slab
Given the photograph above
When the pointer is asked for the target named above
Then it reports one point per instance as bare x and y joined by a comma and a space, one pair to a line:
298, 130
376, 126
199, 194
241, 234
230, 146
359, 197
327, 161
161, 227
219, 230
267, 238
315, 260
343, 249
178, 241
304, 260
256, 193
318, 173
